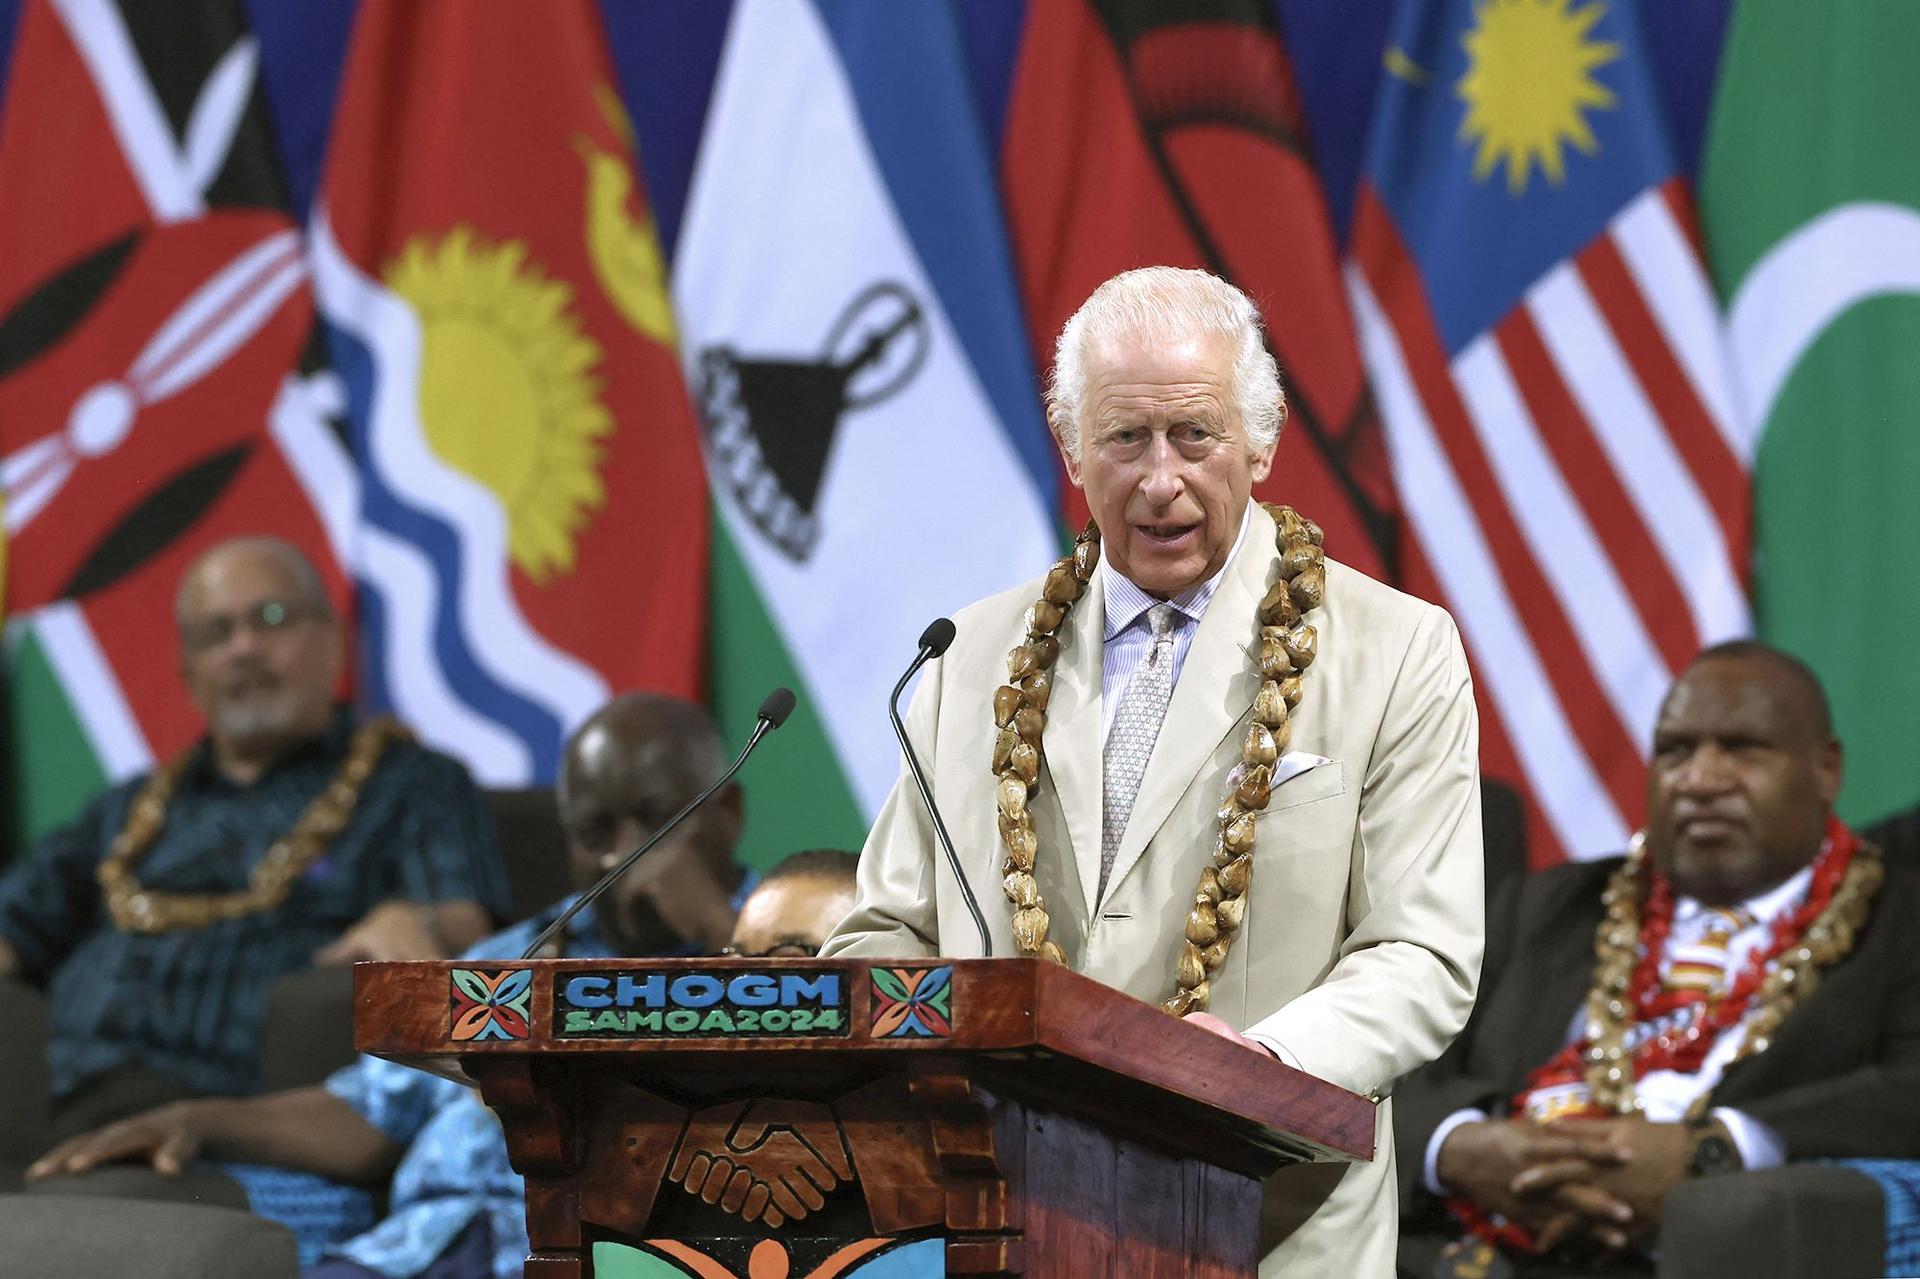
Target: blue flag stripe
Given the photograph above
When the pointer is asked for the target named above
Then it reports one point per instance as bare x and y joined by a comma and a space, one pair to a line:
905, 64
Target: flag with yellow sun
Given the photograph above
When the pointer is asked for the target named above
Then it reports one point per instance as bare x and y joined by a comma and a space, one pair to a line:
532, 517
1545, 347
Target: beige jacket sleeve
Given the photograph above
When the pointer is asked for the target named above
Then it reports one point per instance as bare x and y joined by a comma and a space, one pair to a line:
1405, 977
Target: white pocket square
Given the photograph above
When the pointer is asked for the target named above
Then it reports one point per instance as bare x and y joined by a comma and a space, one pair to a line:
1294, 763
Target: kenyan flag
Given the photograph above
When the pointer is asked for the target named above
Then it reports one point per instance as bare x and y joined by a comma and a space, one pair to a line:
1811, 206
158, 365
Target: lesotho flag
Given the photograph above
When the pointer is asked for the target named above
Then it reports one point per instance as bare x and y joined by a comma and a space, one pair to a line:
531, 523
853, 339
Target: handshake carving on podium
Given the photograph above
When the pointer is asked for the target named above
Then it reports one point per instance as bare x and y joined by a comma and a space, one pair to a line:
763, 1160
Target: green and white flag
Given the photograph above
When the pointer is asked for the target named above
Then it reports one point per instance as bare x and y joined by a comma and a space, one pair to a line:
854, 345
1810, 200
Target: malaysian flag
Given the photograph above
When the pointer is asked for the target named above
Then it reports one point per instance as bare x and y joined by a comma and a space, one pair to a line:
1545, 348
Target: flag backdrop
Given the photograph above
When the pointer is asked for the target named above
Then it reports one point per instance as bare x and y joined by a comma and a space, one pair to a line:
1543, 339
156, 337
852, 337
1142, 134
1819, 262
529, 532
509, 452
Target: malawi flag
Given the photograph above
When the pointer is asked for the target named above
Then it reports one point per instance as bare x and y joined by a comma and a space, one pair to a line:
1142, 134
853, 339
1819, 261
156, 349
1545, 346
531, 522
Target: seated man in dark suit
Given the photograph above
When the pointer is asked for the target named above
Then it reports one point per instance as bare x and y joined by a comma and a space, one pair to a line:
454, 1204
1741, 990
290, 835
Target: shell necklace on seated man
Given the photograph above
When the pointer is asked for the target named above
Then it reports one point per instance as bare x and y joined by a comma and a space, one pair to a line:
144, 910
1287, 647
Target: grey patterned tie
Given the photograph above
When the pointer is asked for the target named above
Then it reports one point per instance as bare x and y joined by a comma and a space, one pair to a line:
1130, 743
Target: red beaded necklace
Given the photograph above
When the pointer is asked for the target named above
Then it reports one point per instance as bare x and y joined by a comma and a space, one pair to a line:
1683, 1047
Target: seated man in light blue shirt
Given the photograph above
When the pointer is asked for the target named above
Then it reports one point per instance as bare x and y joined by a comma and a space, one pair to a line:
455, 1203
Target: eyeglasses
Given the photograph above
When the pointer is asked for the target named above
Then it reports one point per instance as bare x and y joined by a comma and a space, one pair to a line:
785, 948
269, 617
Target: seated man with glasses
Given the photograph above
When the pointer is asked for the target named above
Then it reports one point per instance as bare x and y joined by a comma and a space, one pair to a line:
455, 1205
289, 835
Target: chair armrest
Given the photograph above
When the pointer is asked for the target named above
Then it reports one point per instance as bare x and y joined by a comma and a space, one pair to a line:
309, 1028
1803, 1219
84, 1237
25, 1093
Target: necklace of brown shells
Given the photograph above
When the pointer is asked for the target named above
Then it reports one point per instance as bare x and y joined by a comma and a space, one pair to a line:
143, 910
1287, 647
1610, 1010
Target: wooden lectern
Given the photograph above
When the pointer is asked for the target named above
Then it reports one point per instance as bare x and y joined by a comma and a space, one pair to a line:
808, 1119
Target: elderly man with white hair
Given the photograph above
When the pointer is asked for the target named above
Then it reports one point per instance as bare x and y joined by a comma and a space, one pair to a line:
1202, 761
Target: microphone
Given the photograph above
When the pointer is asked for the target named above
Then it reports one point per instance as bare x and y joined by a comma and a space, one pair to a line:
933, 642
772, 714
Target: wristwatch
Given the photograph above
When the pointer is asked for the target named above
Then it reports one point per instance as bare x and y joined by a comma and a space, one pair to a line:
1712, 1153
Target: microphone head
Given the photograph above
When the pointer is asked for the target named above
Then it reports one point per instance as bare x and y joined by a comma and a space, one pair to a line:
777, 707
938, 635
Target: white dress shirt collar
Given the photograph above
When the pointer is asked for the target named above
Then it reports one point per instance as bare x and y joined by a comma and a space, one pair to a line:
1764, 908
1126, 603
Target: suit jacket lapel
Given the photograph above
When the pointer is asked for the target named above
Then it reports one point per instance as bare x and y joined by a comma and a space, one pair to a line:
1555, 991
1073, 740
1213, 695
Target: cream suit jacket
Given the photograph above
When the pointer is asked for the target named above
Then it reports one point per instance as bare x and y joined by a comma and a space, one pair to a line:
1361, 946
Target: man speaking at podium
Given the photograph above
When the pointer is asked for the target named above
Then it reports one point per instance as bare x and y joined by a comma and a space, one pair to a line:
1199, 761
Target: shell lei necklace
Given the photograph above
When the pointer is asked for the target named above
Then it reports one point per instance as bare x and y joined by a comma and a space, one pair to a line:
1631, 940
1628, 947
143, 910
1287, 647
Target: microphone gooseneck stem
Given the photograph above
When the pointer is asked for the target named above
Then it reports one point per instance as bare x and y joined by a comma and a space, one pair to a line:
761, 728
926, 798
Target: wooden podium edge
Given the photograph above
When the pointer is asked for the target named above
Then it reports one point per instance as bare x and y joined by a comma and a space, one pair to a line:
1007, 1010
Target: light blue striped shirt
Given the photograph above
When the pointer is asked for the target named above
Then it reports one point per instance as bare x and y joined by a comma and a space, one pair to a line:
1128, 636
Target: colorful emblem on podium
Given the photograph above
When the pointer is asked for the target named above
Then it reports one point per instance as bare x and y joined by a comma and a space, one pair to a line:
772, 1259
490, 1003
912, 1003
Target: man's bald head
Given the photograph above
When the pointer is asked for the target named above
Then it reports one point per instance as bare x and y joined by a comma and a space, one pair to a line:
299, 578
640, 735
638, 761
1803, 702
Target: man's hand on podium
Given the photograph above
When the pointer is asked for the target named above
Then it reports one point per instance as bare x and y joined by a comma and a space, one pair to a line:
1222, 1029
764, 1160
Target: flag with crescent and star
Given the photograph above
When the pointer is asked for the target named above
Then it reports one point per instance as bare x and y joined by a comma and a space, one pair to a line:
1819, 266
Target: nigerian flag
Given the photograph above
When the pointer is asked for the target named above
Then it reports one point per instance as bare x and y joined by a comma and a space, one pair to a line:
1810, 199
853, 342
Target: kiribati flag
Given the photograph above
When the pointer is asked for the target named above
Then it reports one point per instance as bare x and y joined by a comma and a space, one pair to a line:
532, 529
1545, 348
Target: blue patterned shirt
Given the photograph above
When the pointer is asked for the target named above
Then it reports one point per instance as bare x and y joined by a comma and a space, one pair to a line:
455, 1165
190, 1003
